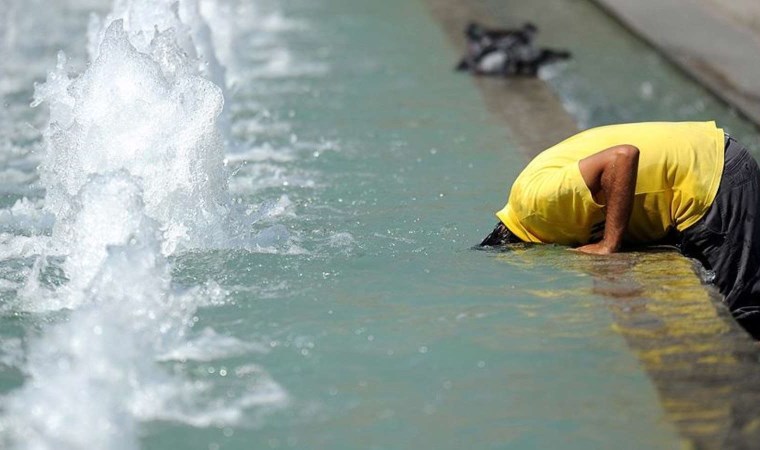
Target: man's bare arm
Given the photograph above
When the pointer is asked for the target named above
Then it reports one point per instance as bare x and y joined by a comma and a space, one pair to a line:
611, 177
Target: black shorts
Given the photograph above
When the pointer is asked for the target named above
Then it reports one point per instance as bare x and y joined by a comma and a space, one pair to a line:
727, 239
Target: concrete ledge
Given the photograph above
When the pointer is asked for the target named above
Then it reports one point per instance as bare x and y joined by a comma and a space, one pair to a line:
703, 364
703, 39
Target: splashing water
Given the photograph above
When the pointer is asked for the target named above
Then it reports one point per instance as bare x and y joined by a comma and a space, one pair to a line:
94, 377
151, 115
143, 19
133, 172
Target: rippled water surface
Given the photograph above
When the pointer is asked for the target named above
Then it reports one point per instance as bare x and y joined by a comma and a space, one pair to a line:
297, 270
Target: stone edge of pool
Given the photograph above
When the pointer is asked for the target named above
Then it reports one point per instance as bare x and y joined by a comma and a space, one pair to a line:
705, 370
717, 46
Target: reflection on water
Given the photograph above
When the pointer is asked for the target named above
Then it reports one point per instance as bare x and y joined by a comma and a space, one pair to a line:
704, 365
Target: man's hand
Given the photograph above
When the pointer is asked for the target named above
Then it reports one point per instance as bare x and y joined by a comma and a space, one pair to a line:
611, 177
596, 248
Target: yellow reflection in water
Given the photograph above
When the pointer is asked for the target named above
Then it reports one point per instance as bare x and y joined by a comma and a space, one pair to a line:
702, 363
705, 367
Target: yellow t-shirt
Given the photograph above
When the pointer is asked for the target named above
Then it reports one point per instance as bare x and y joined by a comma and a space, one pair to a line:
680, 166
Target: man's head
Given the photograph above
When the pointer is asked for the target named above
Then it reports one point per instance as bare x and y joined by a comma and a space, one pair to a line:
500, 236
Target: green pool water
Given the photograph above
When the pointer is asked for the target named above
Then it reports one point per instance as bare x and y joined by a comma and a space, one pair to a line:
407, 337
378, 318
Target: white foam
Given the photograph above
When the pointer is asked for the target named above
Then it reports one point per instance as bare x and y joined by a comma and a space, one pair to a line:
255, 177
15, 246
264, 152
26, 216
210, 346
108, 212
93, 378
133, 172
124, 114
277, 22
142, 19
85, 370
187, 403
11, 352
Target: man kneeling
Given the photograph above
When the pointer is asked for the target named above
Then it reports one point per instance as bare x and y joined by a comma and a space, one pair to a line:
682, 183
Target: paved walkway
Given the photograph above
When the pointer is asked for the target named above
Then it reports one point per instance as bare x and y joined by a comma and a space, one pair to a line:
716, 41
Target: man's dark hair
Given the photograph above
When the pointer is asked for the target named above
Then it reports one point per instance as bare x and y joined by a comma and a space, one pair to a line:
500, 236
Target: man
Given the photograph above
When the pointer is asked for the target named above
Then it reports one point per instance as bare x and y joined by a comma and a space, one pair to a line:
681, 183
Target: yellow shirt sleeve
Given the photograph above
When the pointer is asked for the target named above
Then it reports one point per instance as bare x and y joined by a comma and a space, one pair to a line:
554, 205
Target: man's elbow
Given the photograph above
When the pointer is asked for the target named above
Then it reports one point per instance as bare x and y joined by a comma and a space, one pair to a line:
628, 152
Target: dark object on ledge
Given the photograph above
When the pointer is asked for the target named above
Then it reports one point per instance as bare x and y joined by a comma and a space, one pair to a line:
503, 52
